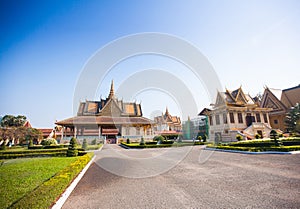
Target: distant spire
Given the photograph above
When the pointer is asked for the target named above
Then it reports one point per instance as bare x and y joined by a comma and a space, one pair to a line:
112, 92
167, 111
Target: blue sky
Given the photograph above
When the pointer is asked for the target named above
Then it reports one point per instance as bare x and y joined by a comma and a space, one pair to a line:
45, 45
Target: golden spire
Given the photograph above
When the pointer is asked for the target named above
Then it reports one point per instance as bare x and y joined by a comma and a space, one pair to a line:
167, 111
112, 92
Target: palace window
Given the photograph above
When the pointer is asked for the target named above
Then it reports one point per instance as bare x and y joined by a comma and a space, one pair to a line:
275, 121
258, 117
231, 116
265, 118
240, 117
211, 121
224, 118
217, 119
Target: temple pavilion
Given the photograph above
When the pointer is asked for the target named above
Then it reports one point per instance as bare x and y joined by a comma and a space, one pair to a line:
110, 120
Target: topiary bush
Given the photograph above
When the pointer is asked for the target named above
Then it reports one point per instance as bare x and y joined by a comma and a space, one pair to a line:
200, 138
274, 135
159, 139
49, 141
84, 144
142, 142
204, 138
72, 151
128, 141
30, 143
257, 136
239, 137
94, 142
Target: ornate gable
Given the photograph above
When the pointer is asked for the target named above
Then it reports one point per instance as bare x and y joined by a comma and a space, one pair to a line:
269, 100
111, 109
240, 97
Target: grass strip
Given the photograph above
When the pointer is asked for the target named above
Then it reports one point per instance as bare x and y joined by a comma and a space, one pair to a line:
45, 195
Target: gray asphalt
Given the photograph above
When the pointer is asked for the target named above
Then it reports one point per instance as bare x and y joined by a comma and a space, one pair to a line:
203, 179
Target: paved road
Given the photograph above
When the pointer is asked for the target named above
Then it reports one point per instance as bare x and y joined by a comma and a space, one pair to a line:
203, 179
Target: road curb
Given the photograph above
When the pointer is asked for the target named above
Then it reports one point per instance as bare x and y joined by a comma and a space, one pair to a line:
60, 202
253, 153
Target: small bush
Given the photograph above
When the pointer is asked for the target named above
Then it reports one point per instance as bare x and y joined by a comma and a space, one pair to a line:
204, 138
49, 141
159, 138
200, 138
84, 144
94, 142
142, 142
128, 141
257, 136
72, 151
3, 146
239, 137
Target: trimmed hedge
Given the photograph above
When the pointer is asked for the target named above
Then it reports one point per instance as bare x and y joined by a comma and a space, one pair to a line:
45, 195
258, 149
10, 154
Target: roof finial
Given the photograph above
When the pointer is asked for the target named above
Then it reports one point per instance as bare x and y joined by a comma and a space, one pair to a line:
167, 111
112, 92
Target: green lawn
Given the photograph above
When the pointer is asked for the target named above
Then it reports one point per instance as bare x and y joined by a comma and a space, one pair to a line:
20, 176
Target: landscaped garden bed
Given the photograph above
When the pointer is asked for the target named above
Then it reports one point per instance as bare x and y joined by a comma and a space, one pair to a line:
154, 144
285, 145
37, 182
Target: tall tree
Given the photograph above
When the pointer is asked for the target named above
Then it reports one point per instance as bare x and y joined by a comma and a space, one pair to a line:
293, 119
13, 121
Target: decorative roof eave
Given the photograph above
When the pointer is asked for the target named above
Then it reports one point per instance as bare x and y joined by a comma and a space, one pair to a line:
104, 120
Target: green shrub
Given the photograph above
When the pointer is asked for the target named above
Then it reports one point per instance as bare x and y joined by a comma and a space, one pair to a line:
49, 141
3, 146
239, 137
204, 138
257, 136
30, 143
128, 141
151, 143
84, 144
72, 151
200, 138
159, 138
94, 142
142, 142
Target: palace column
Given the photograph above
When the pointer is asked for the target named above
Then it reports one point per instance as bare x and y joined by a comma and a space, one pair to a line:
62, 133
75, 131
99, 133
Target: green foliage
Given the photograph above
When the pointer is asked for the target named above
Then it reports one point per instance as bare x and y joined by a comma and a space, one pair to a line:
257, 136
258, 149
13, 121
84, 144
274, 135
238, 137
142, 142
127, 141
293, 119
47, 192
21, 153
159, 138
72, 151
3, 146
94, 142
30, 143
49, 141
200, 138
204, 138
